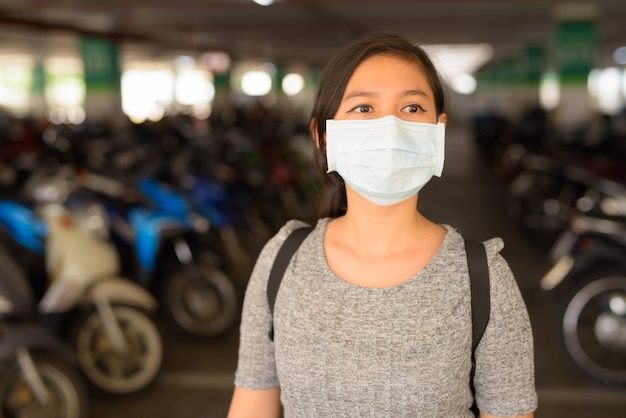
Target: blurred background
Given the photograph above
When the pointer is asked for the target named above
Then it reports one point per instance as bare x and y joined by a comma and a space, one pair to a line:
162, 143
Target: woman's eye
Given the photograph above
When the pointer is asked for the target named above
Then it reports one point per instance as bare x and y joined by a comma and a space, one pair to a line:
362, 109
414, 108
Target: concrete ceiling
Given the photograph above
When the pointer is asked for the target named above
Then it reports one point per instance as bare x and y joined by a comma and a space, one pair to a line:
294, 31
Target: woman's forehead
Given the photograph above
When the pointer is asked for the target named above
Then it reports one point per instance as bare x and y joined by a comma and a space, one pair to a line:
384, 71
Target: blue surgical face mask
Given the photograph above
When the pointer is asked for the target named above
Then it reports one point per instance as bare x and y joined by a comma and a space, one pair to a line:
385, 160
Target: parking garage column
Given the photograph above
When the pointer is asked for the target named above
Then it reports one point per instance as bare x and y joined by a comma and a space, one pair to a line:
574, 54
102, 74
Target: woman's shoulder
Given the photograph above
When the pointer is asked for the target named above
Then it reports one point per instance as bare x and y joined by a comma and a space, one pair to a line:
273, 245
493, 246
290, 226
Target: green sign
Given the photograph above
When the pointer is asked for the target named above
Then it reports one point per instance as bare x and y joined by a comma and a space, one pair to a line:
505, 72
101, 64
532, 64
277, 80
38, 84
575, 50
221, 81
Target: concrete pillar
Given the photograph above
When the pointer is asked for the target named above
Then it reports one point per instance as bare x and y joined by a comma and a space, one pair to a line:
103, 99
574, 56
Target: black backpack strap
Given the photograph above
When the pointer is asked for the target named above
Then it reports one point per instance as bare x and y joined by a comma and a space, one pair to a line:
481, 299
289, 247
479, 287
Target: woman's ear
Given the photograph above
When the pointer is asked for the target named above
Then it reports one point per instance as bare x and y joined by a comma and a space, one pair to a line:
313, 132
443, 118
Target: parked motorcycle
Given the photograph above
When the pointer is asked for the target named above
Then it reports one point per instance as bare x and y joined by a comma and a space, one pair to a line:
118, 345
589, 263
158, 228
212, 200
38, 374
106, 317
540, 196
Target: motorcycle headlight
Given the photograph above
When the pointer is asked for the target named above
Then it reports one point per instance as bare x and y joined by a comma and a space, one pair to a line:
94, 221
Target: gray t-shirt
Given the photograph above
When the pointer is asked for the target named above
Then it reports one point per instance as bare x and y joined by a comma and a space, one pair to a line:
402, 351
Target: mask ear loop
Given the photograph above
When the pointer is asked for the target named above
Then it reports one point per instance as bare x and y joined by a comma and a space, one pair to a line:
441, 149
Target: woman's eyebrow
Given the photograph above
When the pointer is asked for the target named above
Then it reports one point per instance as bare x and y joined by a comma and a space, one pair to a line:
404, 93
414, 92
359, 93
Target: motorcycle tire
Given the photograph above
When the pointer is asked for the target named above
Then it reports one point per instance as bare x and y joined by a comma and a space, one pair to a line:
208, 311
594, 327
117, 373
66, 388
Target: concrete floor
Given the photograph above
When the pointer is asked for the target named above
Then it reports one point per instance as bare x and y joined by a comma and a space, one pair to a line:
196, 380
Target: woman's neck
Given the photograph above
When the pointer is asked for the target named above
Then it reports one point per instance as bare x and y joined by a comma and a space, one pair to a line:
374, 230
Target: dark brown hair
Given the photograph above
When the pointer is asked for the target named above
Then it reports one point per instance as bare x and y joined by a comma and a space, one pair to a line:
330, 91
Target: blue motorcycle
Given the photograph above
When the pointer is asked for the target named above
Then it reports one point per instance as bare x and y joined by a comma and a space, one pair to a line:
160, 229
80, 294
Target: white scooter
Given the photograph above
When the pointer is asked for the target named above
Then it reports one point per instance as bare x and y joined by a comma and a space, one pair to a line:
117, 344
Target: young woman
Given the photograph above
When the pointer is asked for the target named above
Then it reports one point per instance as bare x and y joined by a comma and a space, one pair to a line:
373, 316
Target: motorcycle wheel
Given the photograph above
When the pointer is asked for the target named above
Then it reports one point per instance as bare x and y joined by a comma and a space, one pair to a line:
109, 370
594, 328
206, 311
68, 397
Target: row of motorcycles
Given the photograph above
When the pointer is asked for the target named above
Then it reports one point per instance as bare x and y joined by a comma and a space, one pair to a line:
572, 201
107, 320
88, 258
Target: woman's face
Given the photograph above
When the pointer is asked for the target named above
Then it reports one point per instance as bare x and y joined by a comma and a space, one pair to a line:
384, 85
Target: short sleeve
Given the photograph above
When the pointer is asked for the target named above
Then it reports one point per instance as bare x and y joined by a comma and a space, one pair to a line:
256, 368
505, 373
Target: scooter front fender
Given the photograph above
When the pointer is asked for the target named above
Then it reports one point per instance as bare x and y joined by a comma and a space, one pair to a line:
32, 336
121, 291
